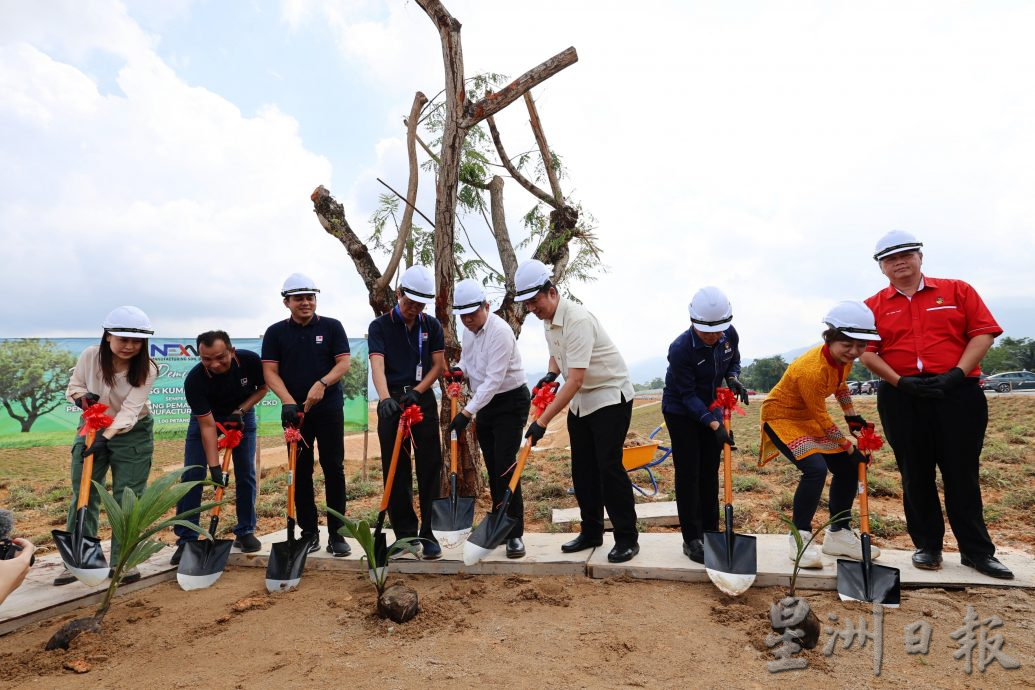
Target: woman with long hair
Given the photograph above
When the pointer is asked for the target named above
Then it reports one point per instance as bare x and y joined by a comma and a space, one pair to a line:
119, 373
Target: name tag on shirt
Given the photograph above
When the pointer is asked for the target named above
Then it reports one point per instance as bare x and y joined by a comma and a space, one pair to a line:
319, 339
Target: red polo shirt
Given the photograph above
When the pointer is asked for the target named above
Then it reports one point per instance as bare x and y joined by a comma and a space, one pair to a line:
928, 333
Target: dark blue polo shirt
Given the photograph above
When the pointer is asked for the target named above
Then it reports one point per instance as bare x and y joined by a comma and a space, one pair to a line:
389, 338
695, 370
304, 354
221, 394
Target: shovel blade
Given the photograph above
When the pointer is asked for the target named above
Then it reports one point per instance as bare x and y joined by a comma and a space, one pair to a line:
287, 561
83, 557
731, 563
861, 581
451, 520
490, 533
202, 563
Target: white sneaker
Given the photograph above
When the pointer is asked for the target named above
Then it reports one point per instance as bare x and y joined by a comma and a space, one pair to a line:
811, 557
845, 542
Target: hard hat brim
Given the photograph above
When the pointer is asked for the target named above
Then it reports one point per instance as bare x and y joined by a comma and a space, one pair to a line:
417, 296
859, 335
897, 249
712, 327
129, 334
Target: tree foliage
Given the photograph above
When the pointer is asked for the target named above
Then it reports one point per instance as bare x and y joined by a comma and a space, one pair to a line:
33, 376
354, 382
764, 373
1010, 354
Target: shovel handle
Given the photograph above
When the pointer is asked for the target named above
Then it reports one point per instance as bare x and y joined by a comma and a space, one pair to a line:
292, 457
864, 502
453, 443
220, 490
390, 479
87, 476
526, 449
727, 463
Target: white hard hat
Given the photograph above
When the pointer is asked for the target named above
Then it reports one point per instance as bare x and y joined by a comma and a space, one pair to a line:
530, 278
468, 296
895, 242
128, 322
299, 284
710, 310
418, 284
854, 319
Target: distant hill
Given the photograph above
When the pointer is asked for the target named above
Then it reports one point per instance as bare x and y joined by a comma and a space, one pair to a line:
647, 369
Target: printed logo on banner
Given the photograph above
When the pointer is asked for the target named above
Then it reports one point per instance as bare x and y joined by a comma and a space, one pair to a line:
173, 350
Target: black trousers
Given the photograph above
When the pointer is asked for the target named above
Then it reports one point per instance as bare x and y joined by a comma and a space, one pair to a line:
843, 488
947, 434
695, 457
327, 432
427, 451
500, 426
597, 473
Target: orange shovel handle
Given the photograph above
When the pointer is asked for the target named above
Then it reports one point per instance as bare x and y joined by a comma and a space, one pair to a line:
292, 457
390, 479
220, 490
864, 502
727, 463
87, 475
453, 443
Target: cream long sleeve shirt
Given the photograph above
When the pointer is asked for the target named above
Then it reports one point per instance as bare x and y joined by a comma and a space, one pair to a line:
127, 404
491, 362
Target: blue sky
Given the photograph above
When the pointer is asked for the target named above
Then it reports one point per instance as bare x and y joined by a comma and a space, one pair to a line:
162, 154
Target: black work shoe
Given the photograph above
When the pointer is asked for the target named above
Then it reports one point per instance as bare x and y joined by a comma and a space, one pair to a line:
622, 553
177, 554
314, 541
515, 548
987, 565
65, 578
694, 550
432, 551
581, 543
128, 577
927, 559
247, 543
339, 548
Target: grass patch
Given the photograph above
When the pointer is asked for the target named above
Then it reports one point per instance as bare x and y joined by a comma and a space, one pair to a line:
361, 489
993, 477
887, 526
992, 514
998, 451
1022, 499
881, 485
746, 483
783, 502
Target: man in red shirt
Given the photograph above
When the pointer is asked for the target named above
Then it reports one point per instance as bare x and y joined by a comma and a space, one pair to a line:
934, 333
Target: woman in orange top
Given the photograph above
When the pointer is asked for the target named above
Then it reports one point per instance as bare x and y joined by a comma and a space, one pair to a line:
795, 423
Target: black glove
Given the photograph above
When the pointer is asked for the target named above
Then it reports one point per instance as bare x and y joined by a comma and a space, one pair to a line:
388, 408
549, 378
857, 456
724, 437
216, 472
913, 385
738, 389
945, 382
410, 397
456, 373
86, 400
290, 416
536, 431
855, 422
237, 419
459, 423
99, 448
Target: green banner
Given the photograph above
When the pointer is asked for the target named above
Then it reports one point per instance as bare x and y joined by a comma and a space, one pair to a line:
34, 373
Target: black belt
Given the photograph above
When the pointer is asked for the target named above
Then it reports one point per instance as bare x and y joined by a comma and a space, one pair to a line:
403, 390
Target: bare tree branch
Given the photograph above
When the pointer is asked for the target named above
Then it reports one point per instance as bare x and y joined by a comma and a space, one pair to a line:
544, 150
405, 201
495, 102
512, 169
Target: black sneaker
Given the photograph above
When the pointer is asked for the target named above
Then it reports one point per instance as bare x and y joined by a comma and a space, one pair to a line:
338, 547
314, 541
177, 554
247, 543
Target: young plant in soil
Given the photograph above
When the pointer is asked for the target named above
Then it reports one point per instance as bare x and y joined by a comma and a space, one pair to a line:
134, 522
399, 605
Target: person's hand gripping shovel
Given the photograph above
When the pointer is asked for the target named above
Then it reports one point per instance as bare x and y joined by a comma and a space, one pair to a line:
862, 580
497, 525
287, 558
410, 416
204, 560
730, 559
452, 516
83, 555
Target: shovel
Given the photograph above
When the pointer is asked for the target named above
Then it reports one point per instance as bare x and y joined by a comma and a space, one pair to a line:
452, 516
862, 580
287, 558
81, 554
411, 415
204, 560
497, 525
729, 558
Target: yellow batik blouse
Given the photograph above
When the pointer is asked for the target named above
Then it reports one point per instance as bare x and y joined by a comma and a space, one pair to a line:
794, 414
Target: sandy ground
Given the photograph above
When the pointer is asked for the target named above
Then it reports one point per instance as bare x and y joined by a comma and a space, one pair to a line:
525, 632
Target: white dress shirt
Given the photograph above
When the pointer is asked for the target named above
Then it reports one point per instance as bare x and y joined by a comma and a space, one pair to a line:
491, 362
128, 404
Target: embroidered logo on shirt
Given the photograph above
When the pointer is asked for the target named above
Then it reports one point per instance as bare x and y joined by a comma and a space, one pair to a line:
244, 381
319, 339
938, 300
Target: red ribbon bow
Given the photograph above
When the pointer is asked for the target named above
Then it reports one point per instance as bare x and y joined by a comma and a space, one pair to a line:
231, 437
410, 416
726, 400
542, 397
869, 439
292, 435
453, 390
94, 419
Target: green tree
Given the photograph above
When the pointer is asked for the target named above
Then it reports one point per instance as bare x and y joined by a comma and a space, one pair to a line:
354, 382
764, 373
1010, 354
33, 376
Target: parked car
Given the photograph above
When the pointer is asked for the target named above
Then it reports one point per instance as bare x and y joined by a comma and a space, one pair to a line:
1009, 381
855, 387
869, 387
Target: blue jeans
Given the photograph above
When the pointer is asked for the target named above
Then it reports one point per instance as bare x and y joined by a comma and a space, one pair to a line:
244, 478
